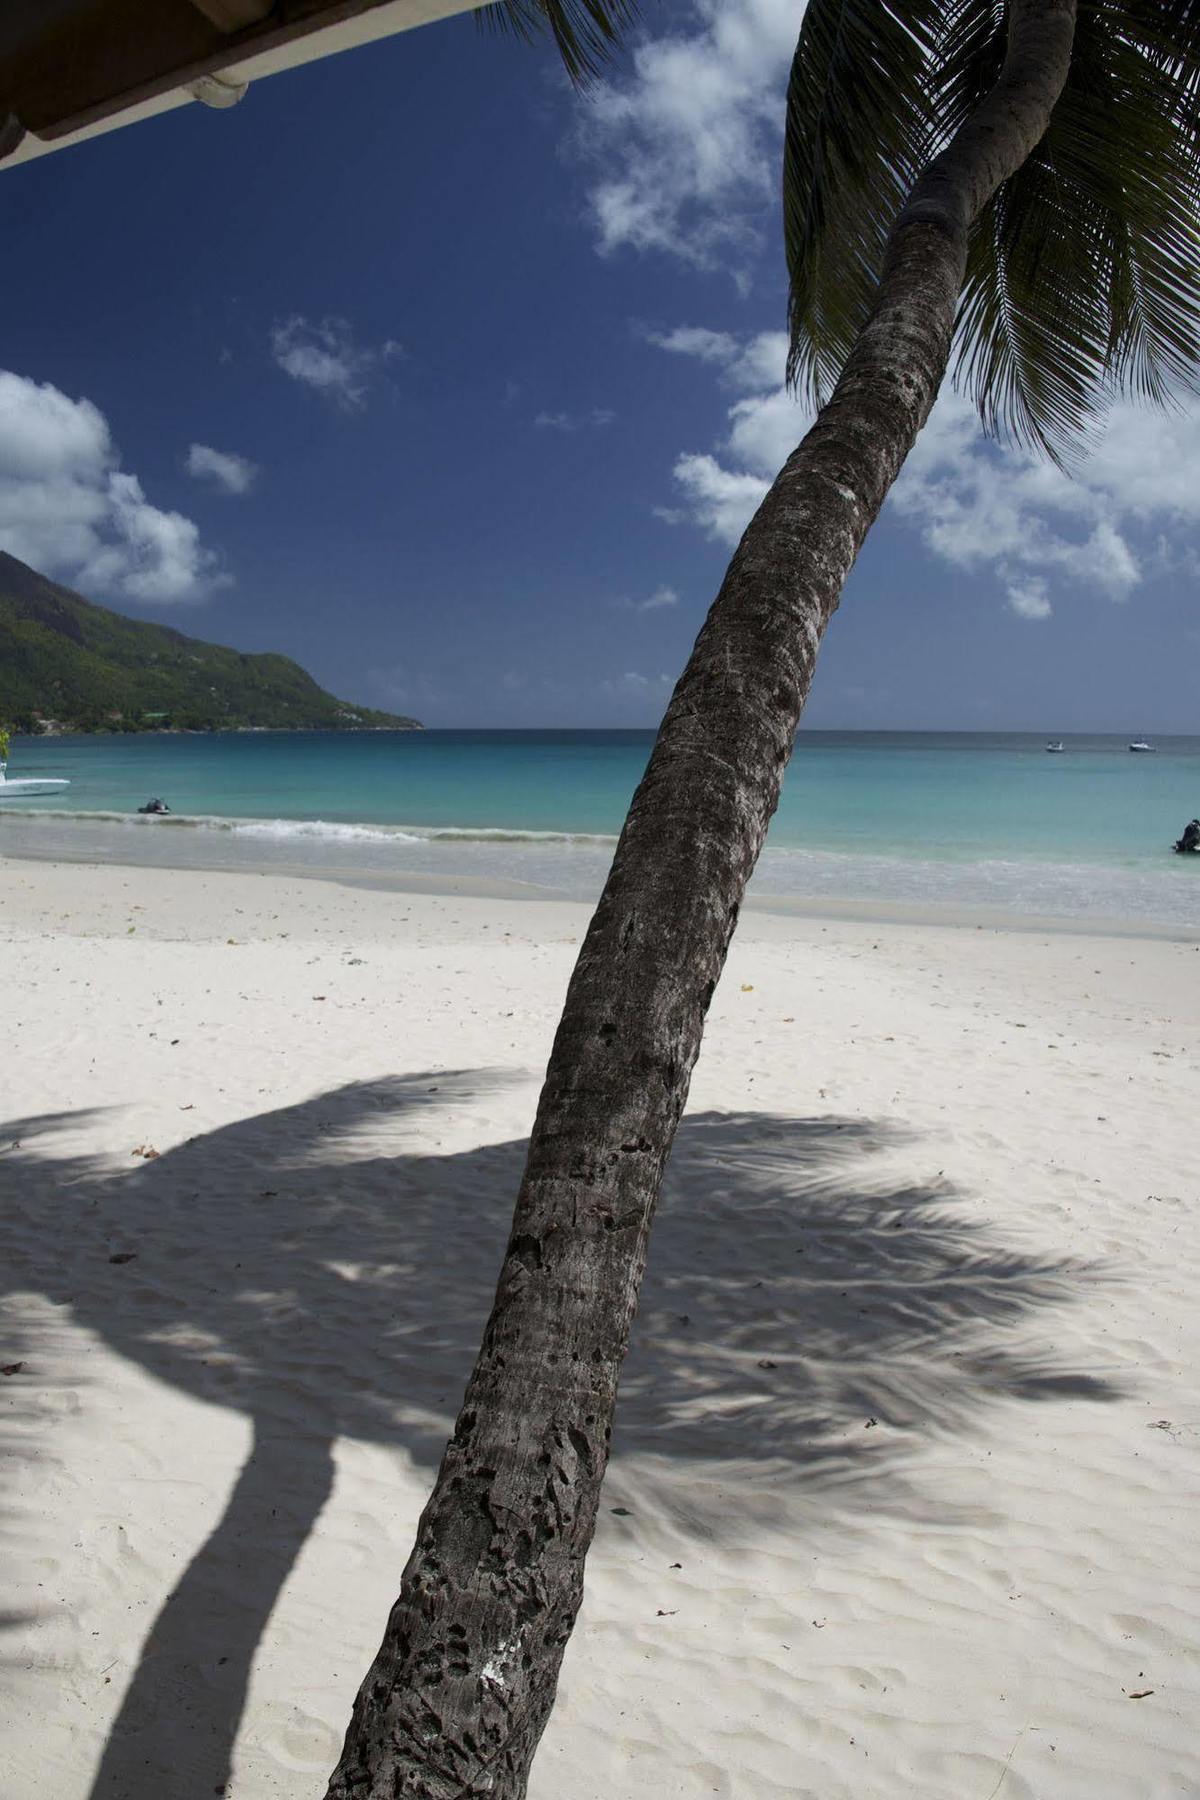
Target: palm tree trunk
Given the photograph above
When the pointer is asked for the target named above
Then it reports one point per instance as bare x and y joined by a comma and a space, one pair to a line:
458, 1696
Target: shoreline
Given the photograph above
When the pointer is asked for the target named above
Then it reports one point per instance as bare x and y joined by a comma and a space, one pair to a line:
970, 829
959, 916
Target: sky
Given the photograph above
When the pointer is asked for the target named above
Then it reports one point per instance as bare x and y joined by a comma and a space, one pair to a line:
459, 388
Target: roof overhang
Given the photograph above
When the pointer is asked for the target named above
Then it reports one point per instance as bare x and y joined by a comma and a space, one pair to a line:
70, 69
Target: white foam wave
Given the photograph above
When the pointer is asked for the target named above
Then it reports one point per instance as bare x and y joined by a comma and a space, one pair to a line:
461, 834
572, 864
332, 830
327, 830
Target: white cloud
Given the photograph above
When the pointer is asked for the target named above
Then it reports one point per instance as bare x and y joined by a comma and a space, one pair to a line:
696, 340
661, 598
765, 428
688, 145
325, 357
977, 507
746, 365
762, 362
720, 500
564, 421
68, 509
1027, 598
232, 473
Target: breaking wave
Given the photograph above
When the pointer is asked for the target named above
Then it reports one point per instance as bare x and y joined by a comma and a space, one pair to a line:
572, 865
330, 830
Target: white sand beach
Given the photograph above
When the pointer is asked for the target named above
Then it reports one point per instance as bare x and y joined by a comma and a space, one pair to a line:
904, 1493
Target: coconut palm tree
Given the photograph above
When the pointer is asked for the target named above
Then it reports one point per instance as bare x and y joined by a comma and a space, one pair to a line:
1019, 178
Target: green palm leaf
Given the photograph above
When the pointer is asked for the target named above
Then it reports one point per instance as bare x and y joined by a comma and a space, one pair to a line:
1083, 277
859, 121
1083, 274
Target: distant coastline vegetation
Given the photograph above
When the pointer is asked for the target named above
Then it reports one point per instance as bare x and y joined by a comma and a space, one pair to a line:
69, 665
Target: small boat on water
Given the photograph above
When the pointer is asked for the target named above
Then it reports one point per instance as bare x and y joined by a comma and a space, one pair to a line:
1140, 744
1055, 749
26, 787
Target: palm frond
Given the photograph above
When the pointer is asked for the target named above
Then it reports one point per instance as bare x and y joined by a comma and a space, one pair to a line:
1083, 278
858, 129
1168, 32
587, 33
1083, 274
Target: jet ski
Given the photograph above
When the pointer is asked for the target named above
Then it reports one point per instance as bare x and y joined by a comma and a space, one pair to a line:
155, 806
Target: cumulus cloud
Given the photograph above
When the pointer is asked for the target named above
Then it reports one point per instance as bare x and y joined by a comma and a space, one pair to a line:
746, 364
565, 421
70, 510
721, 494
698, 341
688, 145
979, 507
661, 598
976, 506
325, 357
1028, 598
720, 500
232, 473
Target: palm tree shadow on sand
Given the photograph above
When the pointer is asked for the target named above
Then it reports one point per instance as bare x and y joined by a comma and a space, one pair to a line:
311, 1270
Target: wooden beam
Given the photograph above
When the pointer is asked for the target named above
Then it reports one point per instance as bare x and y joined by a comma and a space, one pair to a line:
72, 60
67, 64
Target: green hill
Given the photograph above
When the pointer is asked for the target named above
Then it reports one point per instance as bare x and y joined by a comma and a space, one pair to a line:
88, 669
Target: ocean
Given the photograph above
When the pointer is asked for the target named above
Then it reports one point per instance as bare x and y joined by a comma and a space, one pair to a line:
885, 820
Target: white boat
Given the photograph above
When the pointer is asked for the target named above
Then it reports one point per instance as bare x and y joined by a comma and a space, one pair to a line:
26, 787
1055, 749
1145, 748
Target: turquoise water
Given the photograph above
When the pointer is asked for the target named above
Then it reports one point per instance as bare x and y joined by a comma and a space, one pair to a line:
962, 819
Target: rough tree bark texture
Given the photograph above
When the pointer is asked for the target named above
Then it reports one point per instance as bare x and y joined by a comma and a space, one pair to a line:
463, 1684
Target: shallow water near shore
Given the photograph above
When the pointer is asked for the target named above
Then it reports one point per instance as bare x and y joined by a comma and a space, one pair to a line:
911, 819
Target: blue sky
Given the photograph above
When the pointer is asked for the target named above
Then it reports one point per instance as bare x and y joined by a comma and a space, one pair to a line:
459, 388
